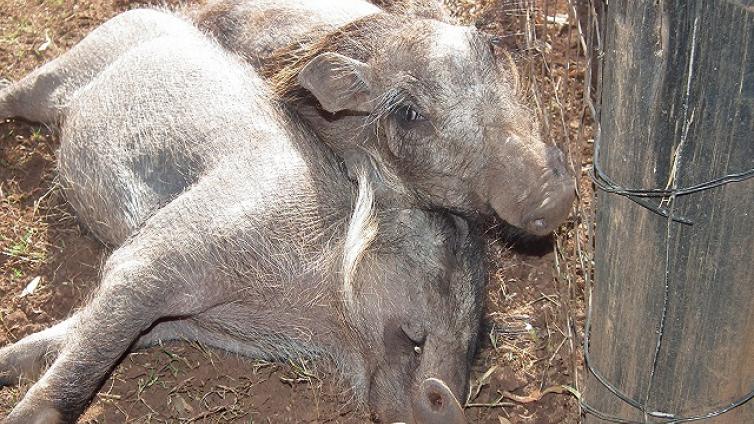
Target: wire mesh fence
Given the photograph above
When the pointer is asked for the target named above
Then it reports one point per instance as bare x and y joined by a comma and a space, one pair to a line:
662, 201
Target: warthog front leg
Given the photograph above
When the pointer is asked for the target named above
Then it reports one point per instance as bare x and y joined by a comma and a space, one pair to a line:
155, 275
28, 357
98, 336
25, 359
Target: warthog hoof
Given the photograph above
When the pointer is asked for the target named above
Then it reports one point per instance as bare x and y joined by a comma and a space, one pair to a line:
41, 415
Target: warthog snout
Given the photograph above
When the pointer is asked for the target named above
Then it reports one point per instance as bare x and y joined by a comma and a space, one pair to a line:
552, 206
432, 403
435, 403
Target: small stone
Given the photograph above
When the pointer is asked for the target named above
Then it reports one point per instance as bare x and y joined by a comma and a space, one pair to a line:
507, 380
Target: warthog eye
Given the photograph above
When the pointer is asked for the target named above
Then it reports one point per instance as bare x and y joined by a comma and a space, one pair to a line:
409, 114
415, 335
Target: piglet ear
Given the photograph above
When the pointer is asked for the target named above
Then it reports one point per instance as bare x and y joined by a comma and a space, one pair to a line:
338, 82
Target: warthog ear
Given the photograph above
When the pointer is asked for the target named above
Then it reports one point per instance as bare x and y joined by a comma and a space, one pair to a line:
338, 82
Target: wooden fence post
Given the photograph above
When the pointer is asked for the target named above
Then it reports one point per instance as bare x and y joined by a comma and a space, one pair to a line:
677, 110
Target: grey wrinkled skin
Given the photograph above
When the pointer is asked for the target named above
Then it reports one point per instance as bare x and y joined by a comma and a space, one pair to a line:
234, 228
353, 71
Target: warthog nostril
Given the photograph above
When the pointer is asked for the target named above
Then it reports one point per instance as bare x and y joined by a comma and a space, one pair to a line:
436, 400
539, 224
437, 404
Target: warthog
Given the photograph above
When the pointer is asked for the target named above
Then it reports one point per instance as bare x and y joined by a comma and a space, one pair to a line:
234, 228
429, 103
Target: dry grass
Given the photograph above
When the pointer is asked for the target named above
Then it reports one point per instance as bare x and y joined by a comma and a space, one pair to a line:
549, 42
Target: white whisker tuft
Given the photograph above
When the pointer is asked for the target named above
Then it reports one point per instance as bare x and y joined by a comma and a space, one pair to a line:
361, 232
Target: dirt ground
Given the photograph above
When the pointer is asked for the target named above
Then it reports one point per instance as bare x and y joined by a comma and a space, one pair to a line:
534, 310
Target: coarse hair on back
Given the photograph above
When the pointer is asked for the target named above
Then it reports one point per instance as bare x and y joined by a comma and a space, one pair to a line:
429, 9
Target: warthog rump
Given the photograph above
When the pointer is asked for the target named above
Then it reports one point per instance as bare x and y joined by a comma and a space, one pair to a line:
434, 106
233, 227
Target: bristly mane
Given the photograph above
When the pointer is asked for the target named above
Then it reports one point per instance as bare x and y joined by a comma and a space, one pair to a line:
218, 19
356, 40
429, 9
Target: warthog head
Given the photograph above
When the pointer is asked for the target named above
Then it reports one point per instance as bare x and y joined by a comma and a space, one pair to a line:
413, 307
436, 109
411, 329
